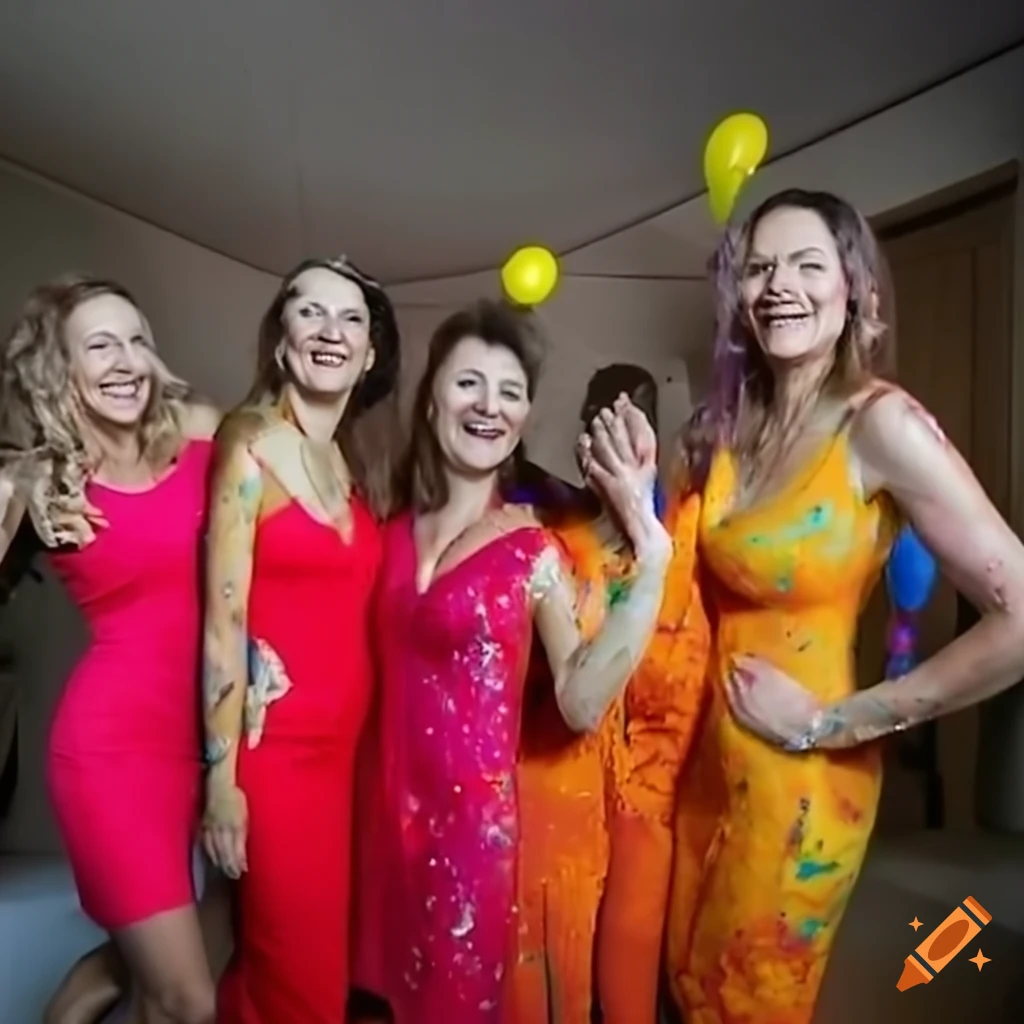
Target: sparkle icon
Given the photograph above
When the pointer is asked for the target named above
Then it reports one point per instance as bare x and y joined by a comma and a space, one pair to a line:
943, 944
980, 959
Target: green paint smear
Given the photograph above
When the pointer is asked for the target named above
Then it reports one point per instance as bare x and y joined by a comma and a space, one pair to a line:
816, 521
618, 591
807, 868
810, 927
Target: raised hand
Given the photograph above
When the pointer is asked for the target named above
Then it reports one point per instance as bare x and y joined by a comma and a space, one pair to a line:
618, 458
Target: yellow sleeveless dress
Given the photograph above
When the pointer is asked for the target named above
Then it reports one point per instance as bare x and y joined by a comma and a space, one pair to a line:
769, 843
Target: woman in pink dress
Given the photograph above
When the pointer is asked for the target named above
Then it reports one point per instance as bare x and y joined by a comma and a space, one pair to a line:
465, 580
101, 447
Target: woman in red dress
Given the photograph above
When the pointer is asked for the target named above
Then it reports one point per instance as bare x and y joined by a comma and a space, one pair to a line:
293, 557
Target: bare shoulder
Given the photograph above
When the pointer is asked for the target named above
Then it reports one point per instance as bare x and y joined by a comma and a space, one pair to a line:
886, 416
245, 427
201, 421
897, 443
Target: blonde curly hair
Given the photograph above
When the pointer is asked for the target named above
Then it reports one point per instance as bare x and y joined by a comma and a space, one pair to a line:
42, 428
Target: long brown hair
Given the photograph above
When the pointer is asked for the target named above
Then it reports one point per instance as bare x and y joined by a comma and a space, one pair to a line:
41, 427
740, 410
368, 431
422, 482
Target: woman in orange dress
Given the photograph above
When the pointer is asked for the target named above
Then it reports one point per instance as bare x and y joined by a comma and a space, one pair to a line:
810, 466
597, 811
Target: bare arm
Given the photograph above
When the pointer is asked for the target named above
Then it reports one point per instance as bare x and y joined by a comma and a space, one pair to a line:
902, 451
235, 494
589, 675
618, 457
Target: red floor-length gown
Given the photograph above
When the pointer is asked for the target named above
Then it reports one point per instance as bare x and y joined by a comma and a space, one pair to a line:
311, 674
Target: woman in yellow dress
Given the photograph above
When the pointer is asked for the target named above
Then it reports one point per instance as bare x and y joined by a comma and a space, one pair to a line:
808, 466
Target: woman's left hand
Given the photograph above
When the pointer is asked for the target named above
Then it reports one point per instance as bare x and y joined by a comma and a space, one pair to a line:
770, 703
618, 457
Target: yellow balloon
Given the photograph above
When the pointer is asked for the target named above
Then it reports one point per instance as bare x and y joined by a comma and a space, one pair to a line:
530, 275
734, 151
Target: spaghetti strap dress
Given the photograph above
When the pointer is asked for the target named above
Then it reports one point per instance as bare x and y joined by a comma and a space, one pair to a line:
309, 689
769, 843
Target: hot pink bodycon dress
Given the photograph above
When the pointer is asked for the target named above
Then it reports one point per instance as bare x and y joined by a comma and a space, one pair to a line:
124, 762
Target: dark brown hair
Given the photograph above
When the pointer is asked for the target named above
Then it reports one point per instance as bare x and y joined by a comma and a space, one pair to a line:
422, 483
368, 432
610, 381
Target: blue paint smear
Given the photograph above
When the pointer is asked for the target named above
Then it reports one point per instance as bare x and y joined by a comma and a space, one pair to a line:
808, 869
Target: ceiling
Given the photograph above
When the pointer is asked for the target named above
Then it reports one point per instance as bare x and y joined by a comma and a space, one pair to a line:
430, 138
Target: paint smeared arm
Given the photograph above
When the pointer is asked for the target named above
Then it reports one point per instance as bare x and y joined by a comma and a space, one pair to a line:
589, 675
619, 461
235, 494
903, 452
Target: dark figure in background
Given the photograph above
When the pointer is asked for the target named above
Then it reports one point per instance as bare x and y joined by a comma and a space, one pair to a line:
535, 485
16, 566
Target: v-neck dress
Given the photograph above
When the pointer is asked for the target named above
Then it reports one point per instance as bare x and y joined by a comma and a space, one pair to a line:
453, 663
309, 688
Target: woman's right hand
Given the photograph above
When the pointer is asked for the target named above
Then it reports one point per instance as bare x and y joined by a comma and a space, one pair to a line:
225, 826
59, 518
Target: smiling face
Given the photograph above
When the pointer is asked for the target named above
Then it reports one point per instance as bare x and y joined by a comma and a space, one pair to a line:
109, 347
480, 405
794, 287
326, 343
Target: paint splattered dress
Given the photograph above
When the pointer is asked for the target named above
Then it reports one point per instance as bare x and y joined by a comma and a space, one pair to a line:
564, 850
453, 664
769, 844
310, 684
597, 810
647, 740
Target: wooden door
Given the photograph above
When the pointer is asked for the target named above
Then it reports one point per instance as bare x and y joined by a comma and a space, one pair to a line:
952, 280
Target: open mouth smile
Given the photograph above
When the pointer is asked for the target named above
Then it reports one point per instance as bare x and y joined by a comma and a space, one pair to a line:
122, 390
483, 431
782, 319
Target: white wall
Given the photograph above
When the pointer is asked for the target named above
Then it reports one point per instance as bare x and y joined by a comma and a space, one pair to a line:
947, 135
204, 310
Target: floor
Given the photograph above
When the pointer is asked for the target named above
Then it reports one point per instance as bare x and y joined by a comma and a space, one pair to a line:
922, 876
925, 876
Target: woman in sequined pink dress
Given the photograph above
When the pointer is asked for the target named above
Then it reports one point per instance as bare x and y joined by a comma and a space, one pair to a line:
465, 581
